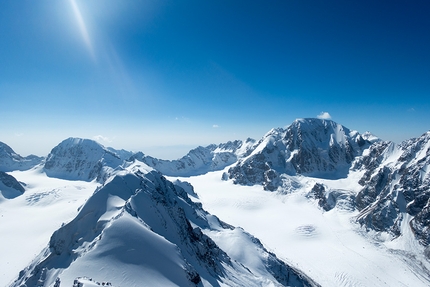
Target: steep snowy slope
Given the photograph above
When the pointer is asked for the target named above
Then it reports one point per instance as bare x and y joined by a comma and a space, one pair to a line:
10, 160
81, 159
201, 159
141, 230
312, 147
9, 186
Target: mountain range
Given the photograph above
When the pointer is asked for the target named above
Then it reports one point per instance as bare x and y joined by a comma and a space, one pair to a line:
145, 225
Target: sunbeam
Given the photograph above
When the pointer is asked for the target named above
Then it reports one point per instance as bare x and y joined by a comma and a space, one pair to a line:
83, 28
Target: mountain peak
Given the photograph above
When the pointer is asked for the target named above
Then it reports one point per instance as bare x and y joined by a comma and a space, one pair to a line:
80, 159
309, 146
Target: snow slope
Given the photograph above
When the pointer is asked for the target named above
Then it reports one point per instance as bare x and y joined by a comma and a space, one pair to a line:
28, 220
9, 186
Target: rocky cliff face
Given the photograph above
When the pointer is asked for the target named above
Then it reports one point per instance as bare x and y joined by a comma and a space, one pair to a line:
81, 159
396, 183
312, 147
10, 160
138, 210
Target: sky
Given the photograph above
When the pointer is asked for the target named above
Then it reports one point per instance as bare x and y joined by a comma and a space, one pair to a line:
163, 77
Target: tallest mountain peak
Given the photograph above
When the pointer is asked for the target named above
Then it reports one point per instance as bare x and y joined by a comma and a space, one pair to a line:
313, 147
314, 122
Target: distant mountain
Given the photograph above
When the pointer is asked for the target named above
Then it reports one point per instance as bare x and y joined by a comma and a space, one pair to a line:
201, 159
10, 160
139, 227
311, 147
82, 159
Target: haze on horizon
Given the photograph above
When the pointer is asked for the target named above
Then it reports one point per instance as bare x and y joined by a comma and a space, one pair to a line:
177, 74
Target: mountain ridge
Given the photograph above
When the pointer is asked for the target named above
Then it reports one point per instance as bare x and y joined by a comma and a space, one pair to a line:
10, 160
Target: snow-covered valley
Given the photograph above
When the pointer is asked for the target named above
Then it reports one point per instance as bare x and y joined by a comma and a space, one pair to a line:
329, 246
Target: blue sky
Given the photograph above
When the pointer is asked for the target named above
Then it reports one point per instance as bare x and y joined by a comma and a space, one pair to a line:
165, 76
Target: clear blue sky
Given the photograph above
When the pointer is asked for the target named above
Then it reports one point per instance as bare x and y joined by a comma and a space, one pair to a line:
178, 74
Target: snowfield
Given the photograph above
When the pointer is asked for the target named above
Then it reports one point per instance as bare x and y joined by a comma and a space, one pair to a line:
28, 221
329, 246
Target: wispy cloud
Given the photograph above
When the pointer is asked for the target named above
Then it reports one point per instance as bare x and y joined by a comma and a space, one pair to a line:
324, 116
101, 138
215, 126
411, 110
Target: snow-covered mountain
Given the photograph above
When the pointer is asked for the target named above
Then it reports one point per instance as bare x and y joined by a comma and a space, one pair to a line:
395, 181
10, 160
311, 147
139, 229
340, 191
82, 159
201, 159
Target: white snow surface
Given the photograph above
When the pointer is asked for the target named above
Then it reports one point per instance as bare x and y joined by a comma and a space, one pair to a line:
329, 246
27, 221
